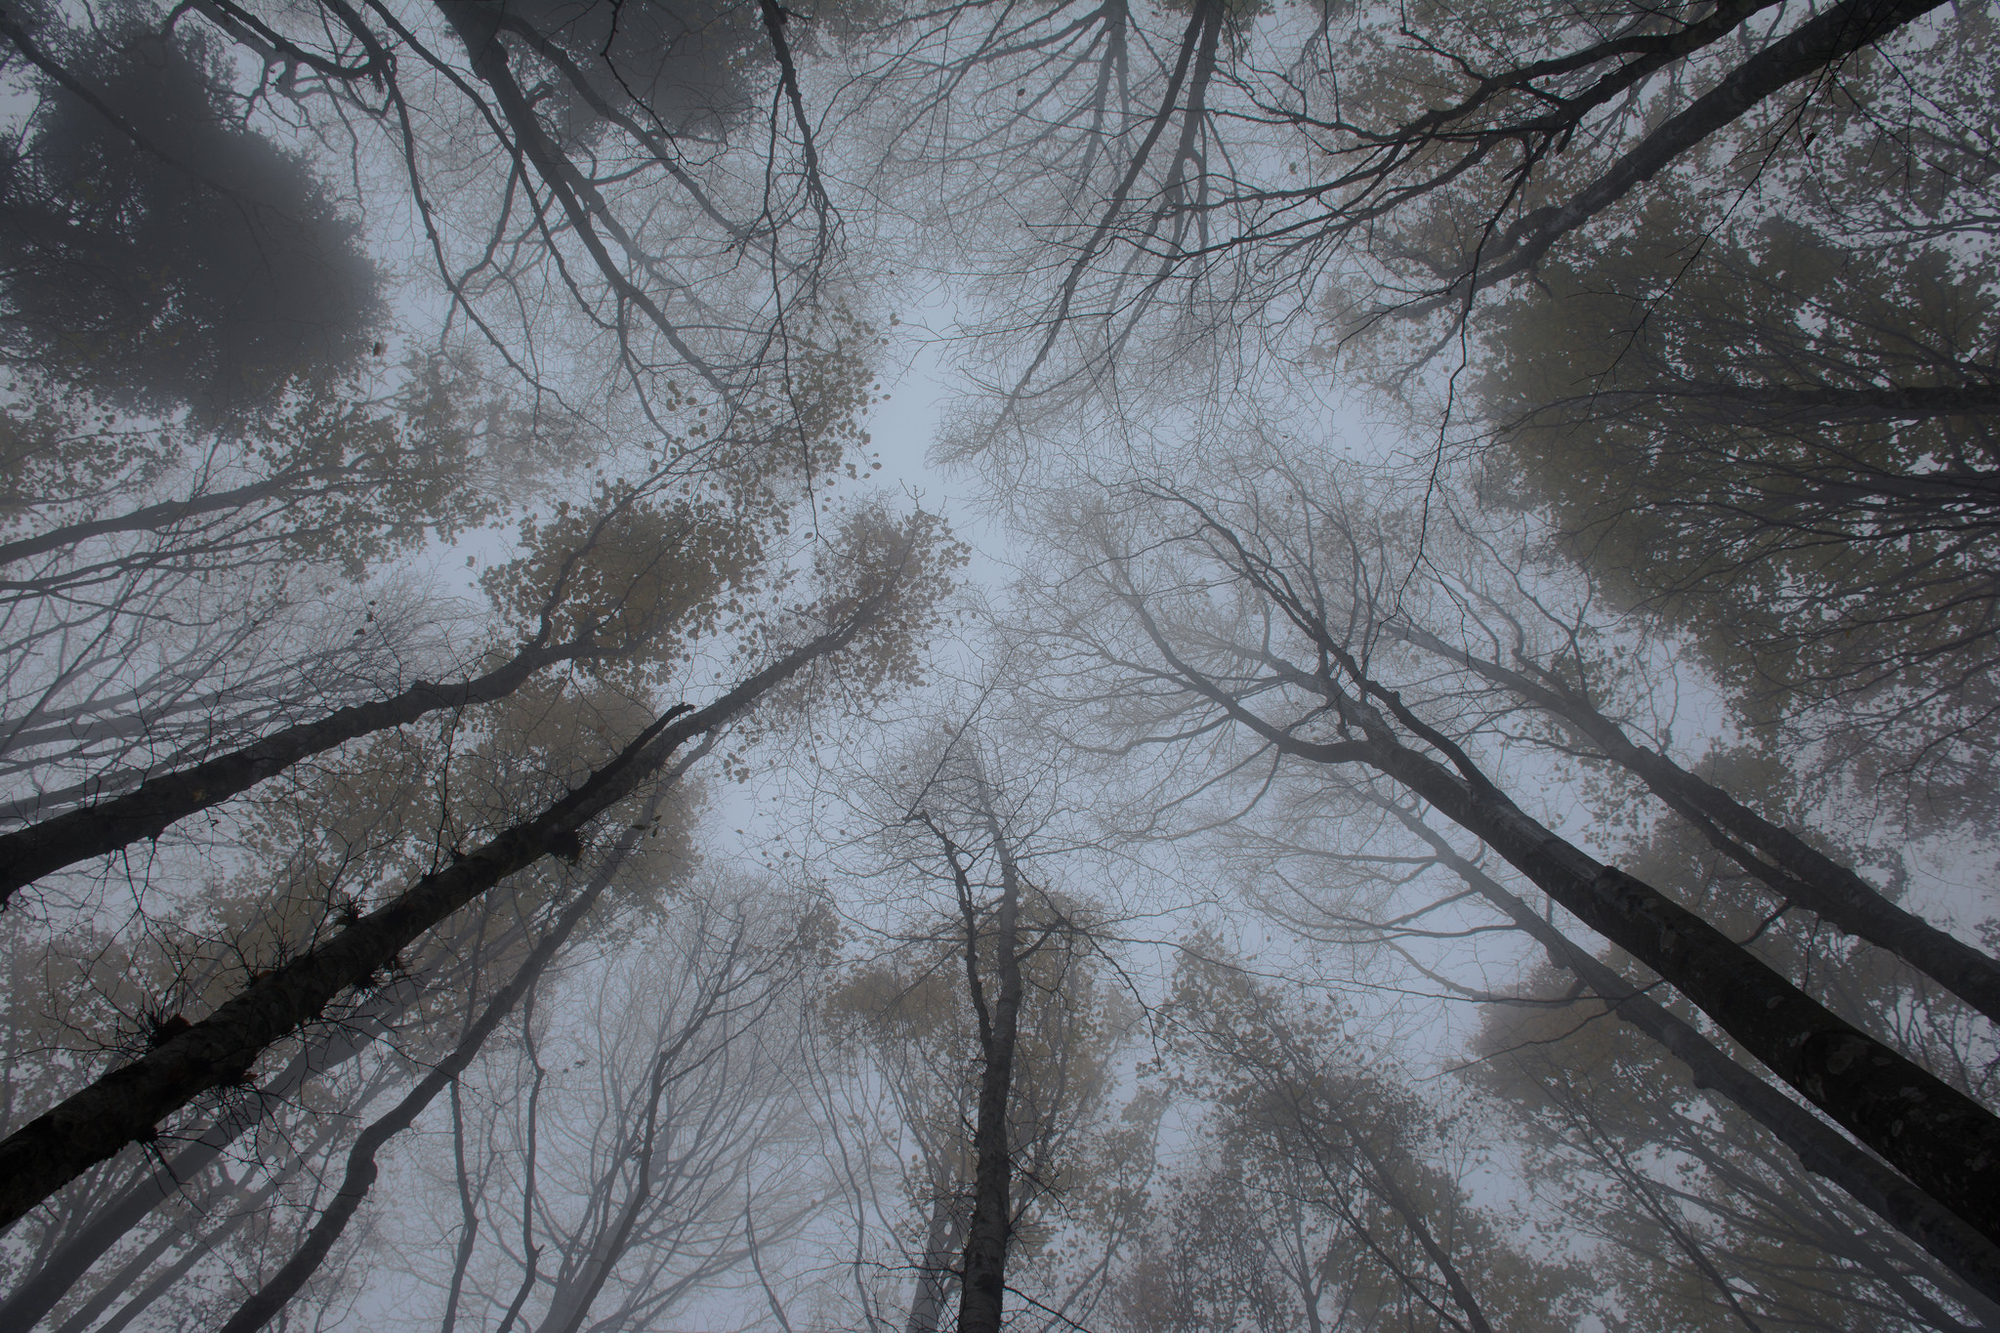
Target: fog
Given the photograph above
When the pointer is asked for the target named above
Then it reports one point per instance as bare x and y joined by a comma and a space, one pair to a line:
1219, 666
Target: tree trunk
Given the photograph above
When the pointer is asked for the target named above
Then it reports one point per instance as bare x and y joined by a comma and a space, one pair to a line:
68, 1265
1799, 873
1820, 1150
1823, 40
202, 1245
983, 1282
164, 1281
261, 1307
1946, 1143
934, 1277
98, 830
124, 1105
152, 518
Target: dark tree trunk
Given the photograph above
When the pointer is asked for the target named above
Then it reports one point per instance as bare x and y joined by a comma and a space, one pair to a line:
983, 1282
152, 518
261, 1307
1940, 1233
1778, 405
478, 26
1796, 871
67, 1266
124, 1105
1946, 1143
97, 830
1824, 40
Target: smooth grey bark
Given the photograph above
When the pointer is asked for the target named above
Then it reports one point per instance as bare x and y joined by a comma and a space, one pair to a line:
121, 1281
164, 1281
941, 1240
468, 1238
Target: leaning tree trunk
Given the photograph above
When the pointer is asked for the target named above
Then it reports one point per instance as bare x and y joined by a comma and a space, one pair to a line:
1807, 51
69, 1263
1790, 866
100, 829
263, 1305
1941, 1234
1944, 1141
126, 1104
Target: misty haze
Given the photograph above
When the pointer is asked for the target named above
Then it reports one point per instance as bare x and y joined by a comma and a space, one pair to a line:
1132, 666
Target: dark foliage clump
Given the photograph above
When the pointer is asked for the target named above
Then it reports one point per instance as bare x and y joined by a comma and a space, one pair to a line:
673, 66
158, 250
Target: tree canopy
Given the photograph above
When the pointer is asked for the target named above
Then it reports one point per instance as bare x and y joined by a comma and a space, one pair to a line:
1267, 666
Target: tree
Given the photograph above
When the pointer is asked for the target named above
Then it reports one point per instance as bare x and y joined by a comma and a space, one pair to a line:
1407, 908
179, 549
121, 663
1783, 432
991, 1022
1216, 201
623, 589
640, 1182
1711, 1223
1560, 683
880, 590
199, 615
1321, 1192
380, 812
1211, 592
509, 132
154, 246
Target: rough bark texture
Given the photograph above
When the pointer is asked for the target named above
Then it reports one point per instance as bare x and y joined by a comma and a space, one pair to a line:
124, 1105
97, 830
263, 1305
66, 1267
